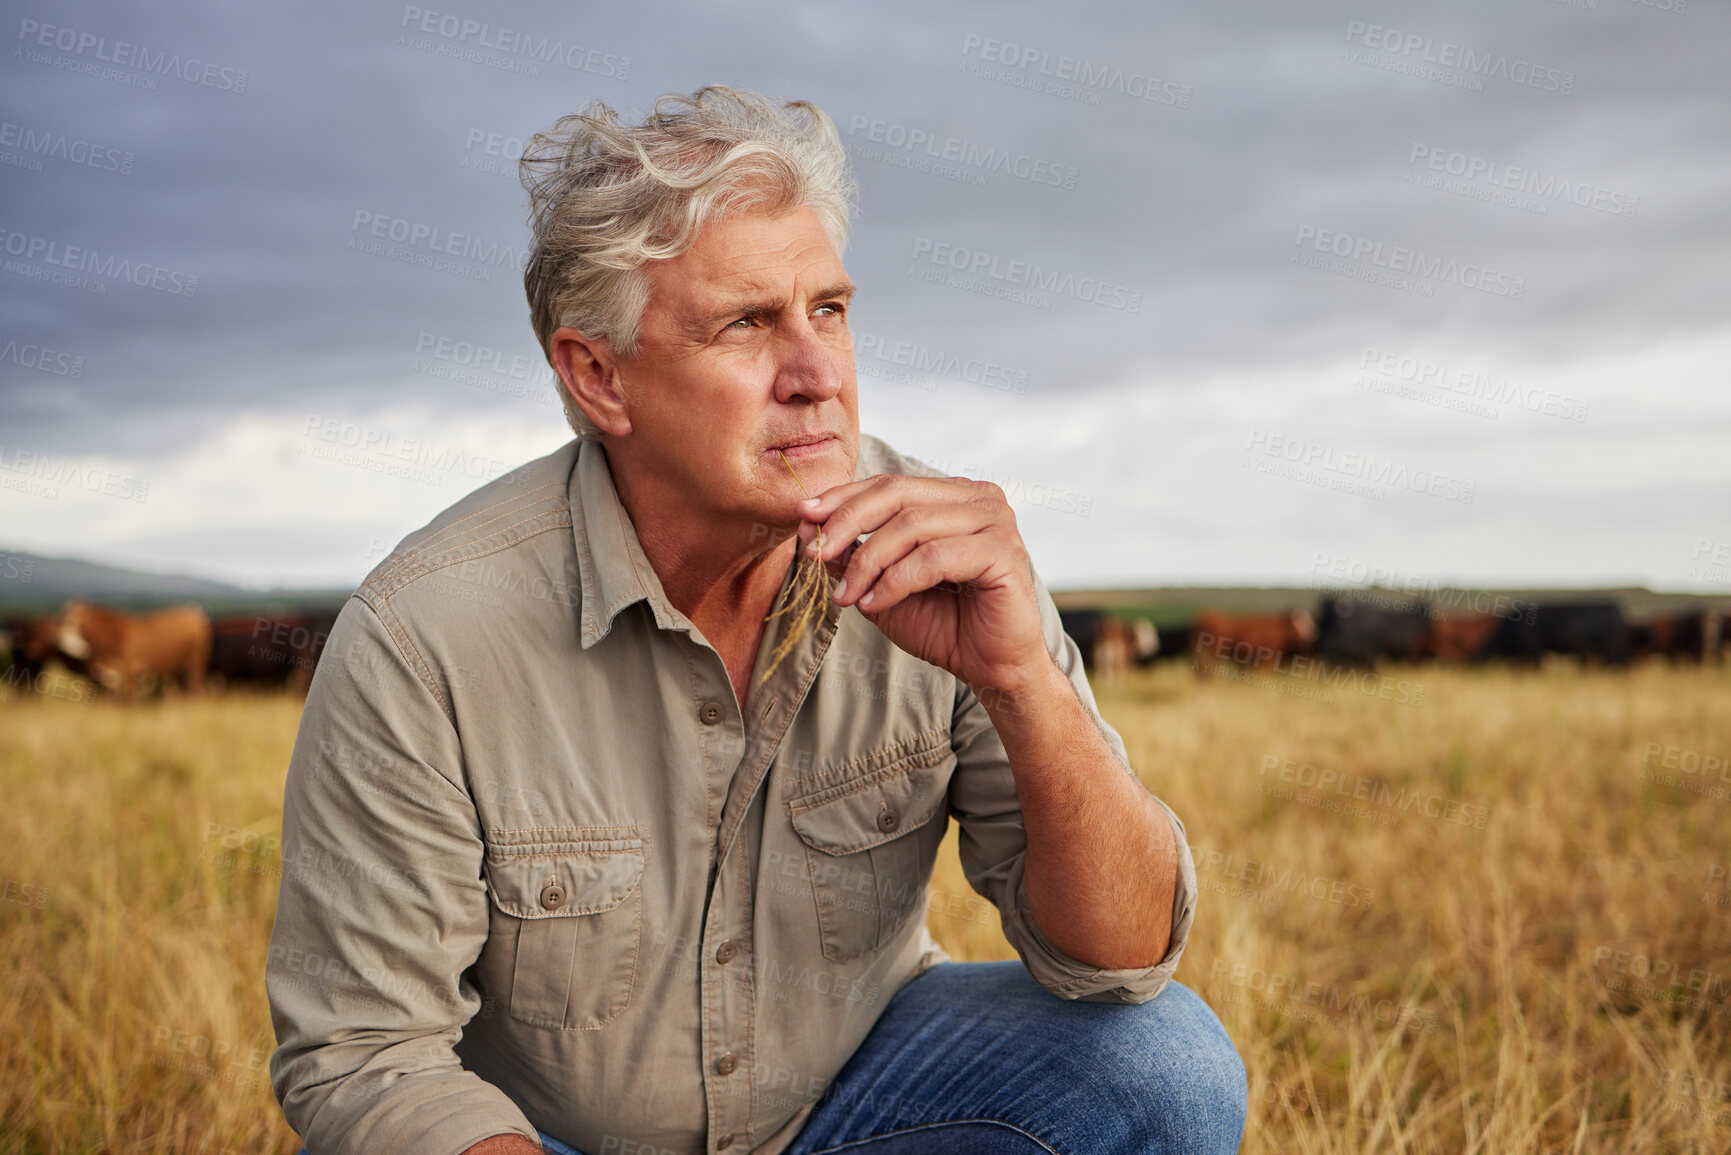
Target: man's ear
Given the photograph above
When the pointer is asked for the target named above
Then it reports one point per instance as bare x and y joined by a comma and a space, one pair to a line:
590, 374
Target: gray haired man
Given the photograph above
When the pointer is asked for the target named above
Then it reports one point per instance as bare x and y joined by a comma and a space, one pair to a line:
617, 861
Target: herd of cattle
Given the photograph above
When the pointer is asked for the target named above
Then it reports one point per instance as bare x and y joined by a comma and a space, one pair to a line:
134, 655
1351, 631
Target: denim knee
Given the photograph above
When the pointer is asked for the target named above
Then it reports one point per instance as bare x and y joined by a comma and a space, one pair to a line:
1169, 1077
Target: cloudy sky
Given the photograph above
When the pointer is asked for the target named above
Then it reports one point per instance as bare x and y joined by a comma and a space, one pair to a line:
1247, 292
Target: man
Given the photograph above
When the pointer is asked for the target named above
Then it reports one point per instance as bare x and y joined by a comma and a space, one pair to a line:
580, 865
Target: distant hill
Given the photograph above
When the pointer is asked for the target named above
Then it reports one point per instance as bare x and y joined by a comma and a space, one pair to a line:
32, 582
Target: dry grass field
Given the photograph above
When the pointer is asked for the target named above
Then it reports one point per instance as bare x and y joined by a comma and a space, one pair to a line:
1496, 920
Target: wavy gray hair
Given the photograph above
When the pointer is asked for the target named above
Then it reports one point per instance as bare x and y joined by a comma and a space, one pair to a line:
606, 198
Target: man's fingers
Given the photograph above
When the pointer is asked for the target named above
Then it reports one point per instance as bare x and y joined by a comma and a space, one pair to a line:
871, 504
957, 560
911, 527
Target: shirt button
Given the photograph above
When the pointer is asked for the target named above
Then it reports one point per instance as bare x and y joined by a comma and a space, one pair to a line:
887, 820
726, 951
710, 713
552, 896
724, 1142
727, 1064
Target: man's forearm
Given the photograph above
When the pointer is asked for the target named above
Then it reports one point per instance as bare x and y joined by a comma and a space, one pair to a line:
1102, 863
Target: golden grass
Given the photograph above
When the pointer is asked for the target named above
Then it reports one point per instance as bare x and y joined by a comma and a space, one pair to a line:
1460, 1010
132, 1012
807, 594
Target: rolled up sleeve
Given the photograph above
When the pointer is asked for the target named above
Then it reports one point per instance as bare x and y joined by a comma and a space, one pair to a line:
993, 843
381, 909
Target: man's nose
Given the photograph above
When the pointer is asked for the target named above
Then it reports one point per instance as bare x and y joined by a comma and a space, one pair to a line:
809, 366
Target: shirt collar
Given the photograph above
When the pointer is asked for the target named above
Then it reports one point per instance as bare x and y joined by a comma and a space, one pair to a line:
611, 563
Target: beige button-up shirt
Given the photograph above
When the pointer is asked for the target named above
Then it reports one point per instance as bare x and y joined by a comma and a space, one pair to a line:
540, 871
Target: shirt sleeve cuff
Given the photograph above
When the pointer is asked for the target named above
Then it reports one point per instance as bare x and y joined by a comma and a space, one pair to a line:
1069, 978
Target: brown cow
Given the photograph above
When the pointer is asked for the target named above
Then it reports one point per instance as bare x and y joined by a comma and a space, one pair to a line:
1257, 640
1113, 644
129, 653
1459, 637
268, 651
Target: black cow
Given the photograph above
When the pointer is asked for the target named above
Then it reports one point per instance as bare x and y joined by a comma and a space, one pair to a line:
1174, 643
1591, 631
1351, 632
1083, 626
1678, 637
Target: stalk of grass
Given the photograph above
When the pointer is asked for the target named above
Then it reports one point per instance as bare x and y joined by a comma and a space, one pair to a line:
808, 592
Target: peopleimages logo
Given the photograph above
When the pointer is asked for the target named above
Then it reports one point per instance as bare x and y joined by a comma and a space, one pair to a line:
978, 265
1071, 77
1413, 262
1360, 467
35, 145
80, 259
42, 475
920, 149
89, 48
1538, 191
482, 43
1409, 47
912, 363
1469, 383
41, 359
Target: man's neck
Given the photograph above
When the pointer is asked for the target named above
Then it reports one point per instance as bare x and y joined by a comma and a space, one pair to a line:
720, 573
717, 581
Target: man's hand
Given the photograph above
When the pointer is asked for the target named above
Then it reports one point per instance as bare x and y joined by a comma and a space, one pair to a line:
946, 577
944, 573
507, 1144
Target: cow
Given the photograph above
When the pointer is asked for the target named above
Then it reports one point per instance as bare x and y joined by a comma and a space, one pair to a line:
1082, 626
268, 651
1253, 640
1689, 637
1459, 638
20, 669
1114, 646
1170, 642
30, 645
1590, 631
1353, 633
1108, 643
132, 653
1147, 640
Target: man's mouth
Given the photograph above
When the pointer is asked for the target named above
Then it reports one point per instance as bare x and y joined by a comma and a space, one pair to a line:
804, 444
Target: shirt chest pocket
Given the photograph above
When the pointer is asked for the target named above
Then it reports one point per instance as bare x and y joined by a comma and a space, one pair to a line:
870, 841
574, 907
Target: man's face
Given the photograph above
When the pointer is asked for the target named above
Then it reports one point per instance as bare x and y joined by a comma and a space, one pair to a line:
745, 350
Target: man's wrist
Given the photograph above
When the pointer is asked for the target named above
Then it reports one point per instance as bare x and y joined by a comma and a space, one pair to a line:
1017, 693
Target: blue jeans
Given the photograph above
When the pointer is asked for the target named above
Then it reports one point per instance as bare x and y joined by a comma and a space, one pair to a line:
978, 1059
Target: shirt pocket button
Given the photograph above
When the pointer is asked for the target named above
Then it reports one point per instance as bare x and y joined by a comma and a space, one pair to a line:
710, 713
552, 896
888, 820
